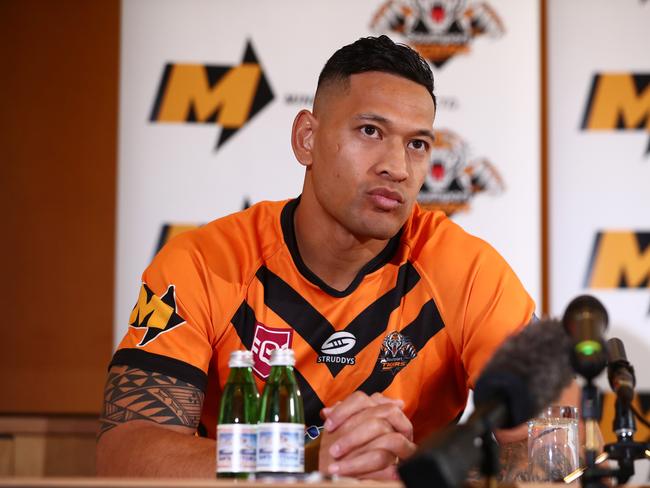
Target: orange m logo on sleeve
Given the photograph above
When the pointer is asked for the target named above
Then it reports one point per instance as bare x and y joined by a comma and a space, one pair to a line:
155, 314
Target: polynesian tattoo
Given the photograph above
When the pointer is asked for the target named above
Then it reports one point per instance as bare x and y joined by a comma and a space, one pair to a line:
513, 462
133, 394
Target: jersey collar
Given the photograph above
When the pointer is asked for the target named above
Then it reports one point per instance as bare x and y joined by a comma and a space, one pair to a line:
289, 234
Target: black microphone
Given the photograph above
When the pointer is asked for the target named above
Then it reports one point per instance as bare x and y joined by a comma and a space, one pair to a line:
620, 372
526, 374
585, 320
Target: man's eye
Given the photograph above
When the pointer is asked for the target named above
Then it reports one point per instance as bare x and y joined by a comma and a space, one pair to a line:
419, 144
369, 130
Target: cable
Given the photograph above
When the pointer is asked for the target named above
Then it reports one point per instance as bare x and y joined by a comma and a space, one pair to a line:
639, 417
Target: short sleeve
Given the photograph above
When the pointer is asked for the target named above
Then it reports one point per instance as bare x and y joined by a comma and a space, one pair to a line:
170, 327
498, 306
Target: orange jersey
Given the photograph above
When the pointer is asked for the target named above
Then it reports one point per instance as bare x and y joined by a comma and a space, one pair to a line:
418, 322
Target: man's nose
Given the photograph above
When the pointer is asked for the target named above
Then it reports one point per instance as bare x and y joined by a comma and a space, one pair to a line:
394, 162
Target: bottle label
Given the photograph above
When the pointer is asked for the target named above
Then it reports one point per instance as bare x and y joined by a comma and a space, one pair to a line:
280, 447
236, 448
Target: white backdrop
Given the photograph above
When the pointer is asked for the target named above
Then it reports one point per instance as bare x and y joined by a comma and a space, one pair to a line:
600, 176
170, 173
599, 67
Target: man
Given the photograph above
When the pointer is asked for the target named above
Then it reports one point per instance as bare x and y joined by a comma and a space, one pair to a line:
392, 311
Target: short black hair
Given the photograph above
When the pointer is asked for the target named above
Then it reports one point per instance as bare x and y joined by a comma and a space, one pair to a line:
377, 54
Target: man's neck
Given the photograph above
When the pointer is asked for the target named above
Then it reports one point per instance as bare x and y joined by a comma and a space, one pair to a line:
329, 251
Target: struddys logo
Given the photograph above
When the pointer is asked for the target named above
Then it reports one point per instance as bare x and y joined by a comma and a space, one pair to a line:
438, 29
227, 96
619, 102
395, 353
453, 179
156, 315
336, 346
620, 260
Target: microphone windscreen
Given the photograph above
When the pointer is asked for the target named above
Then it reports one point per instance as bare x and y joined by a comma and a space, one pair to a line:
585, 309
528, 371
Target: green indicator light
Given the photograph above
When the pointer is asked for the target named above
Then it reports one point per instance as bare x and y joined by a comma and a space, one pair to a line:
588, 347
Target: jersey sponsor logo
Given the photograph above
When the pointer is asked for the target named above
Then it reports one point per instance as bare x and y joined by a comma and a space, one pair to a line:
335, 346
620, 259
155, 314
395, 353
438, 29
265, 340
453, 179
618, 102
228, 96
338, 343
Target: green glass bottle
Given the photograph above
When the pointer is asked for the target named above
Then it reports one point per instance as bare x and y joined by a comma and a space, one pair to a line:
237, 424
281, 428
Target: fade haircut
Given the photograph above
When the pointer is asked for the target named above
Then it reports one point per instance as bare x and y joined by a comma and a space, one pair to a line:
377, 54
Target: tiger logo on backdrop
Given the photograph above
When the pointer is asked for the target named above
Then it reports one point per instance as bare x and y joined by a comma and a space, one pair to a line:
453, 179
438, 29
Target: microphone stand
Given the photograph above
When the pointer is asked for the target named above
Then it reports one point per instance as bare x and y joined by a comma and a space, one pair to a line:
490, 459
591, 412
626, 450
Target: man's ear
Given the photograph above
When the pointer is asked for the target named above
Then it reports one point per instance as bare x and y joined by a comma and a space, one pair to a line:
302, 136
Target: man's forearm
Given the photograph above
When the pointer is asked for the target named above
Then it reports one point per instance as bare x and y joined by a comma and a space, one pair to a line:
513, 461
143, 449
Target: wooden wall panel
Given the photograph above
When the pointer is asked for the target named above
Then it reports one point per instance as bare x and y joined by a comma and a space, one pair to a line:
58, 126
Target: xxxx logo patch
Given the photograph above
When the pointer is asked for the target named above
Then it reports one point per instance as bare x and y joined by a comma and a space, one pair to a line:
267, 339
155, 314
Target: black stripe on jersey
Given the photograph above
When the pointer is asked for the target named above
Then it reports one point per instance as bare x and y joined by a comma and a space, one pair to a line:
294, 309
244, 322
316, 329
372, 321
147, 361
312, 404
426, 325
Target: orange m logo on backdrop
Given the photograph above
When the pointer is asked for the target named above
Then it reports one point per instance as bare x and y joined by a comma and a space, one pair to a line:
228, 96
620, 260
619, 101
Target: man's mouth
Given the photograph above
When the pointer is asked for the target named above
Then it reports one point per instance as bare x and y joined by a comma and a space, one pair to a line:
386, 199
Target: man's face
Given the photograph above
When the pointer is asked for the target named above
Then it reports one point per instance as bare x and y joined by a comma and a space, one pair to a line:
370, 152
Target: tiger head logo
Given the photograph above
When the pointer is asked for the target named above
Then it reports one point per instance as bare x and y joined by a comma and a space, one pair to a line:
437, 29
396, 352
453, 178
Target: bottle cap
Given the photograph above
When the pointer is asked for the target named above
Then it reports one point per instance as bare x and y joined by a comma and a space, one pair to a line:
241, 359
282, 357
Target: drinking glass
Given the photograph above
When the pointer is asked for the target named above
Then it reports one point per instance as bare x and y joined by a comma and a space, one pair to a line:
553, 444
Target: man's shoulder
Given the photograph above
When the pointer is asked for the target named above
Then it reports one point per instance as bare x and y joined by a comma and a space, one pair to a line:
261, 218
231, 244
256, 223
431, 234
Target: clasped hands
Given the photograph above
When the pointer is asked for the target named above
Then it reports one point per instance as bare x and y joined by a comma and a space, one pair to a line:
365, 436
